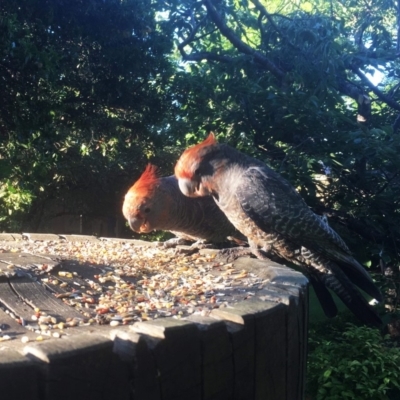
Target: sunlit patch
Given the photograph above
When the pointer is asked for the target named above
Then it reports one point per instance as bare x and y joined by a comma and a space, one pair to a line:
145, 227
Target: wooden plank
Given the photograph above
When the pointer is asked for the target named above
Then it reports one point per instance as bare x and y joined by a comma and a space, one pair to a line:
6, 270
10, 327
242, 338
177, 356
56, 289
14, 303
18, 376
257, 351
297, 319
83, 271
273, 272
6, 237
82, 367
241, 327
239, 311
25, 259
296, 298
79, 238
10, 237
34, 294
304, 332
135, 242
275, 293
78, 282
269, 343
288, 287
37, 237
271, 351
217, 359
15, 263
146, 381
135, 349
61, 350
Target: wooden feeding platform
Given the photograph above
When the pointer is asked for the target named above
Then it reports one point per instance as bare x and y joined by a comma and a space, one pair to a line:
95, 318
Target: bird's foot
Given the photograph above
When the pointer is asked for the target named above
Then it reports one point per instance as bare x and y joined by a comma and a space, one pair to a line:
230, 255
200, 244
172, 243
261, 254
193, 248
234, 241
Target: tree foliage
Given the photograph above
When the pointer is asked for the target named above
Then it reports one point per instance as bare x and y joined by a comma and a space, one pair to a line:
94, 89
288, 82
82, 86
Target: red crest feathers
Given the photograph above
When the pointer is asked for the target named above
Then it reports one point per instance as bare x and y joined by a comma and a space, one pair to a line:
193, 153
147, 180
210, 140
150, 174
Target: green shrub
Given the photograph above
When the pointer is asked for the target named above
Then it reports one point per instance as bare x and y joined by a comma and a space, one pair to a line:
354, 363
14, 201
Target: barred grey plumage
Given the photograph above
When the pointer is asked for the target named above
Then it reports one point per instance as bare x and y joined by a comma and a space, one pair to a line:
271, 214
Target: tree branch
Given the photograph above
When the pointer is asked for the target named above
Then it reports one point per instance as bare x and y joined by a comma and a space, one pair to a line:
343, 85
264, 13
388, 100
397, 6
396, 124
363, 101
238, 44
204, 55
189, 39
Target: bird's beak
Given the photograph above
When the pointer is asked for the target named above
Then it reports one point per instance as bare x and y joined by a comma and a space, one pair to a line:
140, 225
187, 187
135, 224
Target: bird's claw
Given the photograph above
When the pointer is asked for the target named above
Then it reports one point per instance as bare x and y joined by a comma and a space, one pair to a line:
194, 248
230, 255
172, 243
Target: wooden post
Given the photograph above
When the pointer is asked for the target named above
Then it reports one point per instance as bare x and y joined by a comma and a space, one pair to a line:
254, 349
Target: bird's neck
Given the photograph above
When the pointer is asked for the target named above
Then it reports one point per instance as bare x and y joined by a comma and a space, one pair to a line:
225, 177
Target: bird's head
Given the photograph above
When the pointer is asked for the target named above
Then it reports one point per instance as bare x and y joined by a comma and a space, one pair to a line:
195, 168
141, 207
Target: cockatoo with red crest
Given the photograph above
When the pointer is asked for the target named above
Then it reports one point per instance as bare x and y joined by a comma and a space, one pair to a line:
277, 222
156, 203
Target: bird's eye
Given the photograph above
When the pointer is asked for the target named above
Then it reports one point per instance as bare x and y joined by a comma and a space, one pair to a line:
147, 210
197, 172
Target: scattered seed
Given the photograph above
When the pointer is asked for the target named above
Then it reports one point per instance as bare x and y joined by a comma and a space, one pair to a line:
66, 274
134, 283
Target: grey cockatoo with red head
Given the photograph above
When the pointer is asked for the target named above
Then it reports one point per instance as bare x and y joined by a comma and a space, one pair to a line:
277, 222
156, 203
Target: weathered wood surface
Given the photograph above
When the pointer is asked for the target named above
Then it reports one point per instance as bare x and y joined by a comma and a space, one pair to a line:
255, 349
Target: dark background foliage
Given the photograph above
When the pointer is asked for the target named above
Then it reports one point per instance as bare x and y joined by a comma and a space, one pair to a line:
83, 86
93, 90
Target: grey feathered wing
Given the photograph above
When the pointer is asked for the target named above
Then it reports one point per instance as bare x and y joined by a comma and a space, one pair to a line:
305, 239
